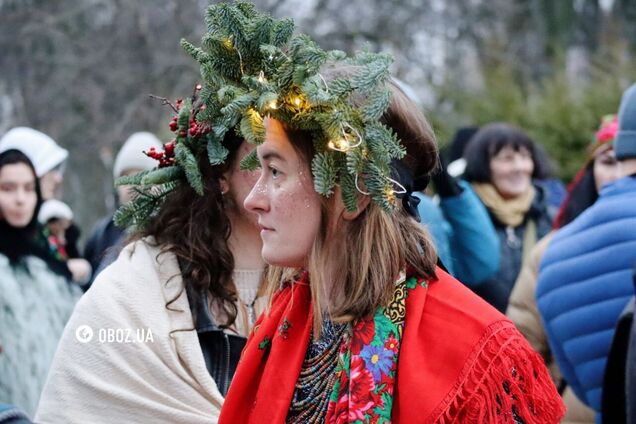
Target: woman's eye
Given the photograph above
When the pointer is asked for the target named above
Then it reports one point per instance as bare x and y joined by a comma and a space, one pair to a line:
275, 172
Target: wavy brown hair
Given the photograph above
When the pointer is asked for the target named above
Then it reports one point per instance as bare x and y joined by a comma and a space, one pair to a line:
196, 230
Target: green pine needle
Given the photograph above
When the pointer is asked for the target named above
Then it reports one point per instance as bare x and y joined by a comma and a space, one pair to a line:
189, 163
217, 153
162, 175
250, 161
324, 170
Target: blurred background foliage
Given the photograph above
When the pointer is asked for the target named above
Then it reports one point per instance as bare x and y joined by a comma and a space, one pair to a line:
82, 71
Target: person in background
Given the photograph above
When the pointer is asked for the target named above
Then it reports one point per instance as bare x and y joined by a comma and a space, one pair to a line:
49, 160
36, 297
585, 277
619, 384
46, 155
55, 216
106, 240
501, 163
9, 414
600, 170
453, 154
465, 238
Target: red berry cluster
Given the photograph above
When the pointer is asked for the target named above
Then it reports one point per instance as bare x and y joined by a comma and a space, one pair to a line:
165, 157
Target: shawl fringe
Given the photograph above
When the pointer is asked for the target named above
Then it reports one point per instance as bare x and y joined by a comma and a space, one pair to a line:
526, 395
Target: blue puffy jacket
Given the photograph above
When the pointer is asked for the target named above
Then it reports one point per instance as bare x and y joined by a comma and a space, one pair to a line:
584, 284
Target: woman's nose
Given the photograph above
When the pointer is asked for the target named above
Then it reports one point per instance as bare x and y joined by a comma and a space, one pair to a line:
256, 200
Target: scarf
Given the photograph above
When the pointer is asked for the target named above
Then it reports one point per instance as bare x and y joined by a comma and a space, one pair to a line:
19, 243
510, 212
460, 361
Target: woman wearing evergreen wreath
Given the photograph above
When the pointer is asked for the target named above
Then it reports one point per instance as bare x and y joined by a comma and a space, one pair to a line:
157, 337
179, 302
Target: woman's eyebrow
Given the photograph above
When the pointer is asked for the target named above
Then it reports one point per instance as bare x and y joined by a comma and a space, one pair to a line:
268, 155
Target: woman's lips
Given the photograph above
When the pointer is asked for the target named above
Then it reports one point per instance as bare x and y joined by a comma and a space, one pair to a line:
265, 229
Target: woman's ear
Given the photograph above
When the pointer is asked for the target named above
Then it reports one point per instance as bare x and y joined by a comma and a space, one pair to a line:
224, 185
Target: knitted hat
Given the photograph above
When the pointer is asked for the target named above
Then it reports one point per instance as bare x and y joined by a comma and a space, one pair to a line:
131, 155
41, 149
54, 209
625, 143
606, 134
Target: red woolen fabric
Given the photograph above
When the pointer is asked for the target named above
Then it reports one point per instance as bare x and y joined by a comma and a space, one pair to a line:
460, 361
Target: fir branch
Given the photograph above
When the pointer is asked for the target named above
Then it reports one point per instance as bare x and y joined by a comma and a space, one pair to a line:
384, 139
349, 192
252, 127
282, 32
217, 153
162, 175
377, 103
324, 170
132, 179
370, 75
264, 102
197, 54
250, 161
188, 162
238, 104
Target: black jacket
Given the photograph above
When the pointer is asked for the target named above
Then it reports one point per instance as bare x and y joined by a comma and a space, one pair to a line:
497, 289
221, 351
619, 385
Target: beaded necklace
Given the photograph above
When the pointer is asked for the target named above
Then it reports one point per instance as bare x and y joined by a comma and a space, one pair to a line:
318, 375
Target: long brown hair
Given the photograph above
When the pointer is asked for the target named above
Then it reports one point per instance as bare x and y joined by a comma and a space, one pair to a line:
196, 230
376, 246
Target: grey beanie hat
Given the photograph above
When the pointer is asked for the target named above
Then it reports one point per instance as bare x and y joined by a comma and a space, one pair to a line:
625, 142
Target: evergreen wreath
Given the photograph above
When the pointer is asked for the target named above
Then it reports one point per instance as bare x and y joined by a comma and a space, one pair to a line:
253, 66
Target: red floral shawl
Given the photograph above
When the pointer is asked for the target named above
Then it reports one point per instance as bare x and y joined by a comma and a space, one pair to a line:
459, 361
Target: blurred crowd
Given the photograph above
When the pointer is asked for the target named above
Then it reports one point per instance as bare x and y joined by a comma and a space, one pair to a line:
557, 259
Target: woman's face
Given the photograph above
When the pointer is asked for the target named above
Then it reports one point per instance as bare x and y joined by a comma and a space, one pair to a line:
511, 171
51, 182
284, 199
17, 194
605, 167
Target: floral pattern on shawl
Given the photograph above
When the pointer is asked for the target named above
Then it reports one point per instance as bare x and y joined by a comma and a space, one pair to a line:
363, 392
